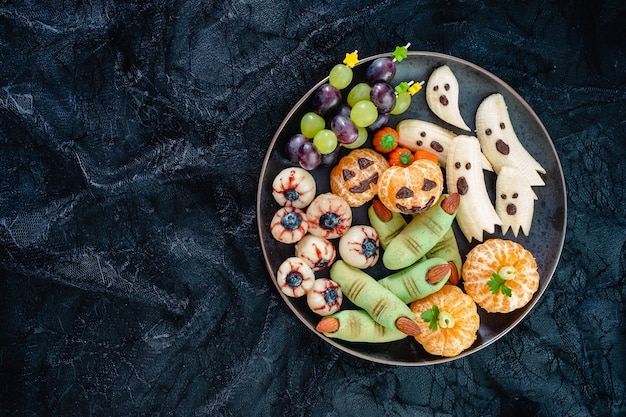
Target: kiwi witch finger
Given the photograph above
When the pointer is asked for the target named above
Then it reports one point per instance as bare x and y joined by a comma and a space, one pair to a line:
448, 249
357, 326
422, 233
387, 223
365, 292
419, 280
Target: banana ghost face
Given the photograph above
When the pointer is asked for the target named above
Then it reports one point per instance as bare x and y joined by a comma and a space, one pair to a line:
442, 96
514, 201
464, 175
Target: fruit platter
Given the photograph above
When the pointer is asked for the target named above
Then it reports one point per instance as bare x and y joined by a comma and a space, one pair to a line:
411, 208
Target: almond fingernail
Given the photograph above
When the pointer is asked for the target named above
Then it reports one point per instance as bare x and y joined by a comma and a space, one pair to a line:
437, 273
381, 211
451, 203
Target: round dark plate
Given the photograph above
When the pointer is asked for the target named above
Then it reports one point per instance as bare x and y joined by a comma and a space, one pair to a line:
546, 235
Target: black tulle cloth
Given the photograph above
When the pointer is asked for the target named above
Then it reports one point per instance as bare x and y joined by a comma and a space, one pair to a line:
132, 136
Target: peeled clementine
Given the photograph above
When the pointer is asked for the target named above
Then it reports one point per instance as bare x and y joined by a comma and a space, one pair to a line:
500, 275
455, 325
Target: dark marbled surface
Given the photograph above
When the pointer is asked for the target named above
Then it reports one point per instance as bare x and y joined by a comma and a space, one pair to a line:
131, 140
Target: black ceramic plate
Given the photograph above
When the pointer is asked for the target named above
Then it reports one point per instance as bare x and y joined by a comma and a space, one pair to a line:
546, 235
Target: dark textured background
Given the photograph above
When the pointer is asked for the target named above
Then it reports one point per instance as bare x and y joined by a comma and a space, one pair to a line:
131, 140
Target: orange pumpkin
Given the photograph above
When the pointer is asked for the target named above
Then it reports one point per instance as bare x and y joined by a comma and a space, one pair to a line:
355, 177
413, 189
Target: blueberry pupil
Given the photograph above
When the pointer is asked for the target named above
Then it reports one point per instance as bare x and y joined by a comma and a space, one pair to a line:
291, 195
369, 247
330, 296
291, 221
329, 220
294, 279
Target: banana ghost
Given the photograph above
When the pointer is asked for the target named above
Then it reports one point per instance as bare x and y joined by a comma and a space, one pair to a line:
442, 97
464, 175
515, 200
499, 142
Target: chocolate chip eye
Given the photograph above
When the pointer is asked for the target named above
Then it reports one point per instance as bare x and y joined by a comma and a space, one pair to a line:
419, 143
423, 134
503, 196
502, 125
365, 162
404, 193
515, 195
488, 132
468, 165
446, 87
428, 185
347, 174
436, 88
457, 165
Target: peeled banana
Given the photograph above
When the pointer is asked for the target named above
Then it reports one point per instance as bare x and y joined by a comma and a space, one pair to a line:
442, 96
475, 214
499, 142
419, 134
515, 201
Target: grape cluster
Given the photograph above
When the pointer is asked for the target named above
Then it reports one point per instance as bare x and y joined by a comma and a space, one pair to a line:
333, 123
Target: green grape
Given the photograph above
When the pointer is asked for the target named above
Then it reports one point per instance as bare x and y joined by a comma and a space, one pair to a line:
364, 113
325, 141
359, 92
403, 101
360, 140
311, 123
340, 76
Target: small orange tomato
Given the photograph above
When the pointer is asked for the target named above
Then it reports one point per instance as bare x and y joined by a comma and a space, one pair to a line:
400, 157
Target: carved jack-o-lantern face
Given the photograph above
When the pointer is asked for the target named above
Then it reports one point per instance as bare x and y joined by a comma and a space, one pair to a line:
355, 177
413, 189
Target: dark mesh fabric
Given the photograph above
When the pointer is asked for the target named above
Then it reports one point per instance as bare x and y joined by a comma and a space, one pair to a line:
131, 140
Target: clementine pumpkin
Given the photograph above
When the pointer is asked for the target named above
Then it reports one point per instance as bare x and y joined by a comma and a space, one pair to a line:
412, 189
355, 177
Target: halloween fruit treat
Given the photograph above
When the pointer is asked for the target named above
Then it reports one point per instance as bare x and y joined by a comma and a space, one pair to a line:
329, 216
442, 96
515, 201
421, 234
464, 176
500, 275
448, 320
289, 225
294, 187
418, 280
447, 248
294, 277
417, 135
413, 189
324, 297
499, 141
365, 292
317, 252
357, 326
356, 175
387, 223
359, 246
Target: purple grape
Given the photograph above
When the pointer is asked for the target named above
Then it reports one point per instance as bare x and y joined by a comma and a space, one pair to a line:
343, 110
293, 146
383, 96
326, 99
381, 120
331, 159
345, 129
381, 70
308, 156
